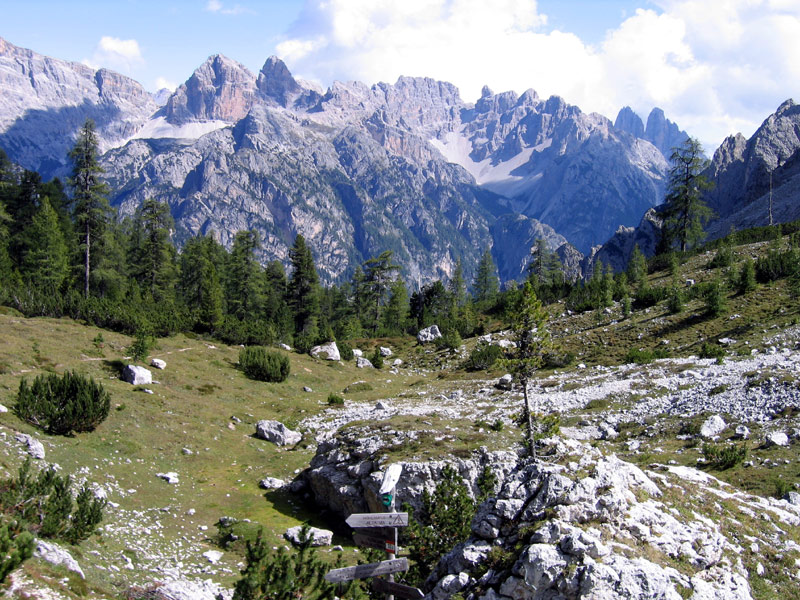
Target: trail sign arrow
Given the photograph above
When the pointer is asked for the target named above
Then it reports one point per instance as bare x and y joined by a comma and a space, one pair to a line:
397, 589
384, 567
372, 541
378, 519
390, 478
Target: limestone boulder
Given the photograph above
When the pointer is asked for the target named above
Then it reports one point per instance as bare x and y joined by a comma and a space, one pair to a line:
136, 375
329, 351
429, 334
277, 433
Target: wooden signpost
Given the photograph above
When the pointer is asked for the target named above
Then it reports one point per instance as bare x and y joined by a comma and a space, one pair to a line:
397, 589
393, 519
385, 567
379, 531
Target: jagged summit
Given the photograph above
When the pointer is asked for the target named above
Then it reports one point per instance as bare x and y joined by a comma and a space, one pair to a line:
219, 89
659, 131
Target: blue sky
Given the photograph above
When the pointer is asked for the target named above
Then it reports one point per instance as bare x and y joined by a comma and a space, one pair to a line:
714, 66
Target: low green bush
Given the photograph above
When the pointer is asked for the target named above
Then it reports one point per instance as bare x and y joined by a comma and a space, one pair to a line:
483, 357
345, 351
62, 404
335, 399
724, 457
642, 356
262, 365
358, 386
708, 350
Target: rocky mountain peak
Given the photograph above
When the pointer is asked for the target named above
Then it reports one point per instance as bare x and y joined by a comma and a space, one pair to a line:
629, 121
219, 89
275, 81
663, 133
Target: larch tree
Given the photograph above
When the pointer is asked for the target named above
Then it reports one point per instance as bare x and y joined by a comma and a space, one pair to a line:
529, 325
379, 272
91, 209
685, 213
303, 288
486, 283
45, 261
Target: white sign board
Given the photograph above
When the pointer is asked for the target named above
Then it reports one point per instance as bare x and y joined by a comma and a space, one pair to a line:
378, 519
390, 478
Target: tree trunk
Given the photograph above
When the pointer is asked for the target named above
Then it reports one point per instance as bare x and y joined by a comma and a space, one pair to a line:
86, 264
531, 436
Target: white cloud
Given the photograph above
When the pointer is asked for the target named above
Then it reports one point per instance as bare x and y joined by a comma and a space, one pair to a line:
712, 71
164, 83
215, 6
116, 54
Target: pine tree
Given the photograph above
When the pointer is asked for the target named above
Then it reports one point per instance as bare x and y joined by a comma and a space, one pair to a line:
486, 283
637, 267
529, 324
45, 260
379, 272
303, 291
243, 280
91, 210
15, 547
395, 315
151, 251
200, 286
685, 213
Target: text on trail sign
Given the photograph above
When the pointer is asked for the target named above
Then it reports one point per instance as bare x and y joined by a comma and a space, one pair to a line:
378, 519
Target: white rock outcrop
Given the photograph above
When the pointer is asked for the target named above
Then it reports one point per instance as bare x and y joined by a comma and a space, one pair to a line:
429, 334
319, 537
136, 375
277, 433
329, 351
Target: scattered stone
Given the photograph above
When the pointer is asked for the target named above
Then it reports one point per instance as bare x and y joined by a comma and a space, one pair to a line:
170, 477
147, 391
35, 447
505, 382
712, 427
329, 351
58, 556
3, 409
742, 432
286, 347
319, 537
776, 438
357, 352
213, 556
158, 363
726, 341
397, 362
271, 483
136, 375
307, 389
429, 334
385, 352
364, 363
506, 344
381, 405
277, 433
197, 589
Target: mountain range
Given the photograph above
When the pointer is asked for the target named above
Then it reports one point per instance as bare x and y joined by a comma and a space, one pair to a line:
357, 169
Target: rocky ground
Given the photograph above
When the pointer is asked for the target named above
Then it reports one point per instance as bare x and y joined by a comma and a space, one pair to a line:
608, 513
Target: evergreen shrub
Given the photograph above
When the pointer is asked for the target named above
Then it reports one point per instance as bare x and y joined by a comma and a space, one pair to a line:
483, 357
15, 547
262, 365
345, 351
62, 404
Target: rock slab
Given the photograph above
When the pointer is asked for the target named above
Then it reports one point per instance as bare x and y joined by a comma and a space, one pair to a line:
136, 375
277, 433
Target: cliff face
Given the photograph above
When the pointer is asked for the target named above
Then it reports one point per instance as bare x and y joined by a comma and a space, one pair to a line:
357, 169
45, 101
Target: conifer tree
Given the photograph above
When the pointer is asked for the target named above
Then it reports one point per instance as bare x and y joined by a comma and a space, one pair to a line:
379, 273
486, 282
243, 277
685, 213
151, 251
303, 291
45, 260
91, 210
529, 324
395, 315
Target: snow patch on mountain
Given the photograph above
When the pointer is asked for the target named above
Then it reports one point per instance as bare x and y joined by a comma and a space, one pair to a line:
499, 177
159, 127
